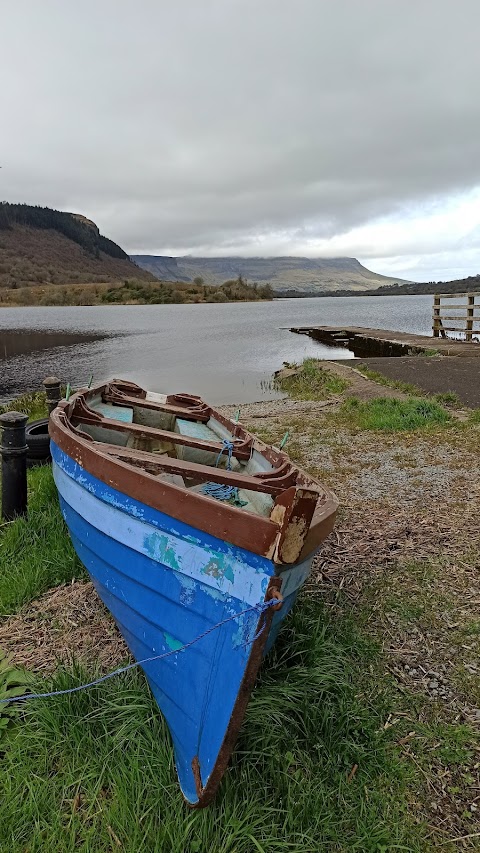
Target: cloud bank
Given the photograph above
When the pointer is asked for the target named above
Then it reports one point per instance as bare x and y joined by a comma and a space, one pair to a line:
255, 127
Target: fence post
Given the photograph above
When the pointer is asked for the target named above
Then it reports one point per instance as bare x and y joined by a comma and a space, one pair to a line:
436, 316
14, 465
52, 390
470, 315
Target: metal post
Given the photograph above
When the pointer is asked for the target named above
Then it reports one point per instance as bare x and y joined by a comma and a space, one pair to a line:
52, 390
14, 465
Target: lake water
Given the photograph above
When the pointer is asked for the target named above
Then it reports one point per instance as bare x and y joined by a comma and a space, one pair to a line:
224, 352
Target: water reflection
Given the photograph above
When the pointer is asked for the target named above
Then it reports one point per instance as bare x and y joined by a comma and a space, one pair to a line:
224, 352
15, 342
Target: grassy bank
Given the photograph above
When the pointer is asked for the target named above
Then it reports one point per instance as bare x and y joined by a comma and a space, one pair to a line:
309, 381
362, 732
389, 415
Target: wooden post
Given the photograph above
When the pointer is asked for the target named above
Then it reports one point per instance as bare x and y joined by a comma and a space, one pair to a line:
14, 465
436, 316
470, 315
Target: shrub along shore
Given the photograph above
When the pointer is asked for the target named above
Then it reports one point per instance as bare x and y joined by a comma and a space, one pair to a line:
362, 731
133, 292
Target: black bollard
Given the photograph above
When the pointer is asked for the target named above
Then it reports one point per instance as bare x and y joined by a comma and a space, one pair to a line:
14, 465
52, 390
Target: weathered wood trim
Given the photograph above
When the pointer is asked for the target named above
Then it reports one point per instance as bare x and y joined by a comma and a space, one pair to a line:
127, 471
198, 413
228, 523
298, 518
275, 484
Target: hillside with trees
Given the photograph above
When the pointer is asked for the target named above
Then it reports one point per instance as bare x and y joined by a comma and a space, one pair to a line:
50, 257
41, 247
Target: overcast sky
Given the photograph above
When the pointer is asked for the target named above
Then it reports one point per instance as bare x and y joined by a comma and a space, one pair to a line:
252, 127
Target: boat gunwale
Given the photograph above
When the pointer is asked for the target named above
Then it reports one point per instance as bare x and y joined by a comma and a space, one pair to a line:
236, 526
223, 521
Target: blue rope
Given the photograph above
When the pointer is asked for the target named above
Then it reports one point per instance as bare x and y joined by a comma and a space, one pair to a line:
259, 608
222, 493
216, 490
228, 446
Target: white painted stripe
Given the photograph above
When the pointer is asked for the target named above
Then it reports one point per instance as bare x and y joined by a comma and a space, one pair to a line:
222, 572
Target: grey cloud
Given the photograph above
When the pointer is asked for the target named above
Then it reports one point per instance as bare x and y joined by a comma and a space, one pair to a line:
217, 124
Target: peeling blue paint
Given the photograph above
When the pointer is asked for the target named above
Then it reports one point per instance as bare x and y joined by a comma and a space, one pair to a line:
245, 631
160, 548
172, 642
219, 568
187, 589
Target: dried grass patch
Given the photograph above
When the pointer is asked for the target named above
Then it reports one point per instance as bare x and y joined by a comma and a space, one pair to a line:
67, 623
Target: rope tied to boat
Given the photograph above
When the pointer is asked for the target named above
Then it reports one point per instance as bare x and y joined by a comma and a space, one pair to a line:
218, 491
275, 602
228, 445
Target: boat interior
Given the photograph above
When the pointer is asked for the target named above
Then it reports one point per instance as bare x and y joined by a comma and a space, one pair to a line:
181, 440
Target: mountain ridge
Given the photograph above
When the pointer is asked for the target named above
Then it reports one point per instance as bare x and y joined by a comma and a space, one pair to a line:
283, 273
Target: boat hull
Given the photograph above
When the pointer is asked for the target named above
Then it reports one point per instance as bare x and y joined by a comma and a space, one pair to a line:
166, 584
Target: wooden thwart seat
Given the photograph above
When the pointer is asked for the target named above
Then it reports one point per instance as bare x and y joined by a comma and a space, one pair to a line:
273, 483
188, 436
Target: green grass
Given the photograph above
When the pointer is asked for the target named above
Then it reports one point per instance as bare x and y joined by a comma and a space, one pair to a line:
79, 765
34, 405
475, 416
380, 379
448, 398
35, 552
312, 382
13, 682
393, 415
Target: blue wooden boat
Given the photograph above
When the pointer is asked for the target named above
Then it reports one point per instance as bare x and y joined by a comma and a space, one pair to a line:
139, 477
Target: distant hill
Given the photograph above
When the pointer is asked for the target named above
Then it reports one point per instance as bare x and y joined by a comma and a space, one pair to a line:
306, 275
414, 288
471, 284
40, 246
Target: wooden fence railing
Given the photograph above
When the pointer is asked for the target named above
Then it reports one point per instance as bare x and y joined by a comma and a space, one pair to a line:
467, 320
